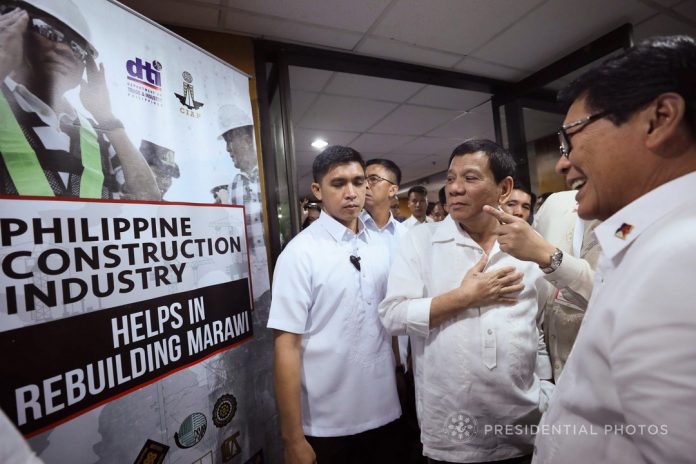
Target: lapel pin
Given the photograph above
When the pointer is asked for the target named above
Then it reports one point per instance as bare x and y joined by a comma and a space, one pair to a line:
623, 231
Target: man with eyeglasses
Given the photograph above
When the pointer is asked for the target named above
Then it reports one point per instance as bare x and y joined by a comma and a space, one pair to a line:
334, 366
47, 148
630, 145
383, 179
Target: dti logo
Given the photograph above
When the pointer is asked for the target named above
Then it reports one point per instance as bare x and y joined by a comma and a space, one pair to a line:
147, 74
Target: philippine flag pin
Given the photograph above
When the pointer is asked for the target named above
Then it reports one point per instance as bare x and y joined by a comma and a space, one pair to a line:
623, 231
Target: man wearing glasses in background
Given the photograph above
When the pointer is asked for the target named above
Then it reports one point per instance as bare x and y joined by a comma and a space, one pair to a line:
630, 140
46, 147
334, 367
383, 179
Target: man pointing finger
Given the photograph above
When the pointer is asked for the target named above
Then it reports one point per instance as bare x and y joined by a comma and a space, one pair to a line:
563, 246
517, 238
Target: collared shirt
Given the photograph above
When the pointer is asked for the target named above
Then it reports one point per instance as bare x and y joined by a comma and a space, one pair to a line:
50, 133
628, 392
348, 382
391, 235
478, 370
245, 189
411, 221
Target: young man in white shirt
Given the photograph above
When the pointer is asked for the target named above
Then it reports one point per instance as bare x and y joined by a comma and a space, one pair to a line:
627, 391
481, 366
418, 204
334, 366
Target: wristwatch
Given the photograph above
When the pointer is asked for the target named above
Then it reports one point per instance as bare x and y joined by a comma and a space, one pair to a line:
556, 260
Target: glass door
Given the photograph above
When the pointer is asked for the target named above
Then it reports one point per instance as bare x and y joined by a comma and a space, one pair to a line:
277, 147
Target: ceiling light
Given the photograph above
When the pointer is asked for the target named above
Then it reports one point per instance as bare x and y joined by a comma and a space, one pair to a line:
320, 144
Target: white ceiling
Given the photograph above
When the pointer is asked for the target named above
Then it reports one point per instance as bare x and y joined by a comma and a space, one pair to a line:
413, 124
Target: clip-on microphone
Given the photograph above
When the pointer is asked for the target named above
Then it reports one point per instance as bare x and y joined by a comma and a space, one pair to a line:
356, 261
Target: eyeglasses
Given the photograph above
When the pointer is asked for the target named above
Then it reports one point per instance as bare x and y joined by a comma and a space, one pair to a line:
80, 49
375, 179
564, 137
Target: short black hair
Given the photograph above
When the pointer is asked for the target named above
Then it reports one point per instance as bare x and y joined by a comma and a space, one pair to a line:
629, 81
417, 189
442, 196
519, 185
333, 156
389, 165
500, 161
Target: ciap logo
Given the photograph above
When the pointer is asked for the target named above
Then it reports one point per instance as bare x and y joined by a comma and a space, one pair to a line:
145, 80
188, 101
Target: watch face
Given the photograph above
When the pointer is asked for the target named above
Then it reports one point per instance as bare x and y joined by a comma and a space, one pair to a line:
556, 259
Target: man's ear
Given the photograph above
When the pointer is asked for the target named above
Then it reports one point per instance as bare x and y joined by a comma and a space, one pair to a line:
393, 190
663, 119
316, 190
505, 186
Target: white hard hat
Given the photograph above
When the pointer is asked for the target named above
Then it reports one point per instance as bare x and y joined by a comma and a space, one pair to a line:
233, 116
66, 12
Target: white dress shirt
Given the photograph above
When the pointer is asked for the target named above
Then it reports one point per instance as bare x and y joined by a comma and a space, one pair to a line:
480, 369
411, 221
391, 235
348, 380
628, 391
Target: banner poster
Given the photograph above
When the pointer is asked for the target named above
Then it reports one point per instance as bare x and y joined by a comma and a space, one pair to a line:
133, 271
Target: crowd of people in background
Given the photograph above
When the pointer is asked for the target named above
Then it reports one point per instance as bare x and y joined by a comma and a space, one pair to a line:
487, 326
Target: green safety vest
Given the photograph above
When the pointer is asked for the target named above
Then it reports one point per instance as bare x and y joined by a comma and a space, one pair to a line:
23, 164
